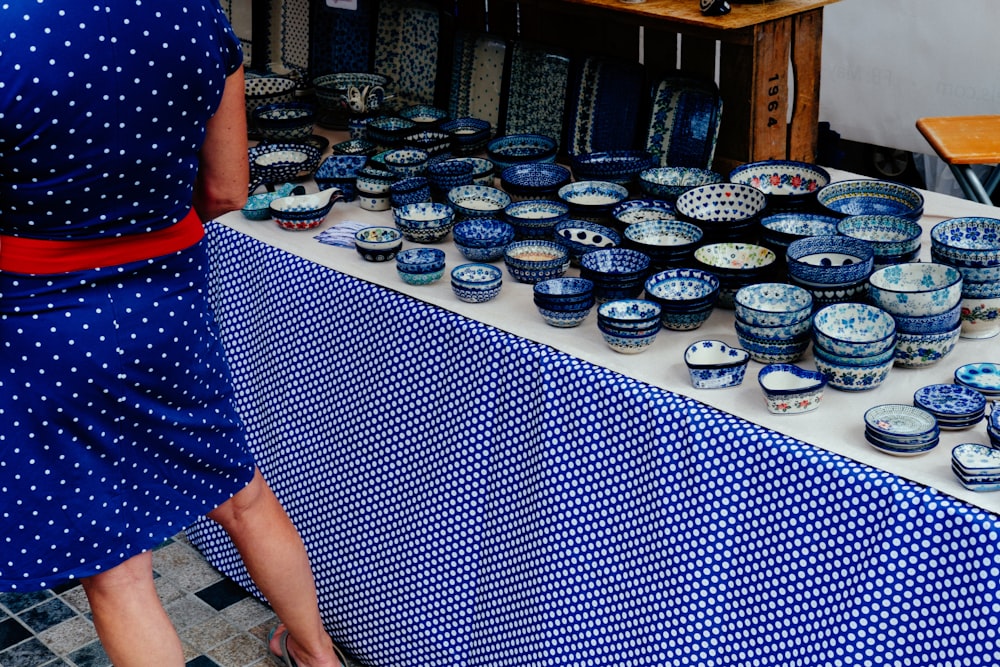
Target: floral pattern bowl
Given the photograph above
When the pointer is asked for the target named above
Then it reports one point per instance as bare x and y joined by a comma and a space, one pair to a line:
916, 290
789, 389
712, 364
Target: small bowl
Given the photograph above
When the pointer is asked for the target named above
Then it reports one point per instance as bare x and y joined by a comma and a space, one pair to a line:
793, 331
476, 282
468, 135
980, 317
854, 329
853, 378
870, 197
592, 200
617, 273
736, 265
563, 291
285, 121
787, 183
634, 211
870, 360
929, 324
264, 90
919, 350
378, 244
299, 212
274, 163
770, 351
436, 144
420, 266
712, 364
629, 326
720, 207
535, 219
972, 242
482, 239
534, 261
668, 183
519, 148
388, 131
687, 297
916, 290
410, 190
258, 207
773, 304
666, 242
483, 170
425, 222
617, 166
888, 235
424, 115
789, 389
354, 147
477, 201
405, 162
340, 171
374, 181
444, 175
581, 237
779, 230
829, 260
536, 180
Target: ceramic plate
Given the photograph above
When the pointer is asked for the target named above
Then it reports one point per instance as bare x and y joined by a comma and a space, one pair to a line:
406, 50
983, 377
950, 401
477, 77
895, 450
976, 459
536, 96
898, 420
604, 102
684, 122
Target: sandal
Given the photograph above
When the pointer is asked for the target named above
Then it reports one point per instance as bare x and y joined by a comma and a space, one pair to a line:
286, 657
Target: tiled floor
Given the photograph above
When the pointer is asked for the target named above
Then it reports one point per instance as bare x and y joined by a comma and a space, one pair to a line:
219, 623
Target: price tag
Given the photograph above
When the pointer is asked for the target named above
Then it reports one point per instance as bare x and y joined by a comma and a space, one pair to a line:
343, 4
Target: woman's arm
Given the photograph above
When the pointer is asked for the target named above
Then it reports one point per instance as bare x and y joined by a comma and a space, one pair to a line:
224, 172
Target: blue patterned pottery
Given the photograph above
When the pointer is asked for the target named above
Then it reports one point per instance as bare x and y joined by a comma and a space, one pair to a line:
468, 135
668, 183
592, 200
340, 171
412, 190
374, 181
634, 211
853, 378
616, 166
284, 121
298, 212
406, 162
425, 222
917, 350
581, 236
721, 204
258, 207
789, 389
483, 170
712, 364
558, 292
984, 377
954, 406
772, 351
354, 147
736, 265
684, 121
350, 93
477, 201
420, 266
794, 331
536, 180
533, 261
388, 131
779, 230
437, 145
773, 304
629, 315
447, 174
617, 273
274, 163
666, 242
535, 218
476, 282
424, 115
854, 329
829, 260
519, 148
482, 239
787, 183
870, 197
972, 242
687, 297
916, 290
889, 236
263, 90
378, 244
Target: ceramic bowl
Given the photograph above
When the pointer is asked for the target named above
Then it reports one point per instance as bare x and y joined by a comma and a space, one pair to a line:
533, 261
980, 290
406, 162
830, 294
870, 197
916, 290
519, 148
478, 201
437, 145
350, 93
354, 147
425, 222
666, 242
972, 242
984, 377
789, 389
917, 350
409, 190
483, 170
736, 265
299, 212
773, 304
285, 121
468, 135
720, 207
424, 115
616, 166
829, 260
617, 273
929, 324
340, 171
534, 180
482, 239
687, 297
263, 90
888, 235
774, 351
868, 360
592, 200
796, 330
535, 219
258, 207
274, 163
668, 183
476, 282
370, 202
787, 183
420, 266
628, 326
853, 378
854, 329
556, 293
372, 180
444, 175
582, 236
980, 317
779, 230
633, 211
565, 318
712, 364
378, 244
388, 131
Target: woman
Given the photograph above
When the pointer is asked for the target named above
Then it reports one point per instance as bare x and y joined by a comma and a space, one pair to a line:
122, 126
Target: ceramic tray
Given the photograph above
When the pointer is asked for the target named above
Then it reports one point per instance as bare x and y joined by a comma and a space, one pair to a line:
406, 50
536, 95
684, 122
604, 104
477, 77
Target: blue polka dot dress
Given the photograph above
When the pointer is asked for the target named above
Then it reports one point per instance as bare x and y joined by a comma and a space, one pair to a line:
117, 427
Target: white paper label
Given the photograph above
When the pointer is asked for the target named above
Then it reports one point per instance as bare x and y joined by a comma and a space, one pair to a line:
342, 4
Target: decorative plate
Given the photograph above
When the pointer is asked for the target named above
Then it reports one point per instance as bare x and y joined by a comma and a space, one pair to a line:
684, 122
406, 49
950, 401
976, 459
536, 95
604, 103
477, 77
899, 421
983, 377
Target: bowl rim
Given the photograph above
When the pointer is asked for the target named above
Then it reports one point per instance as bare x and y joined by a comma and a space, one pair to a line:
739, 360
948, 271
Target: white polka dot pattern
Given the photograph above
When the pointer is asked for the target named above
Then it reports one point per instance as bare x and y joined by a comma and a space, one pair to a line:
471, 498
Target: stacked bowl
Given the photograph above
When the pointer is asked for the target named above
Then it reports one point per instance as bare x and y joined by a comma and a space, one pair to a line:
533, 261
564, 302
779, 230
870, 197
582, 236
993, 429
853, 345
788, 184
618, 166
834, 269
534, 180
687, 297
972, 245
924, 299
617, 273
954, 406
476, 282
773, 321
667, 243
420, 266
535, 219
482, 239
424, 222
901, 430
723, 211
629, 326
894, 240
736, 265
592, 200
669, 183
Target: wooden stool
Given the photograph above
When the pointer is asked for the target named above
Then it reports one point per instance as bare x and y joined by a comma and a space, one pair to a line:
964, 142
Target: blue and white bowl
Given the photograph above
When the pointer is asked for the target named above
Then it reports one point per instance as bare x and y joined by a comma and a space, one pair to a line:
712, 364
520, 148
787, 183
916, 290
476, 282
616, 166
444, 175
388, 131
772, 351
628, 326
371, 180
789, 389
378, 244
794, 331
723, 210
854, 329
258, 206
483, 169
592, 200
437, 145
582, 236
478, 201
668, 183
533, 261
633, 211
870, 197
406, 162
468, 135
687, 297
853, 378
971, 242
535, 219
779, 230
773, 304
482, 239
425, 222
420, 266
829, 260
411, 190
918, 350
285, 121
889, 236
274, 163
929, 324
617, 273
306, 211
534, 180
564, 302
424, 115
340, 171
736, 265
667, 242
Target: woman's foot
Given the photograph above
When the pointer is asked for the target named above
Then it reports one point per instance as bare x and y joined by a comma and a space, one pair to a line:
279, 644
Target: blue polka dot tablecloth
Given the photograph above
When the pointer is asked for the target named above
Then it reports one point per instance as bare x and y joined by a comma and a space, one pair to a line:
470, 498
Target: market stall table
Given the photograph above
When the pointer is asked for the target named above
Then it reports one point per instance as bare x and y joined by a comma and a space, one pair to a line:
476, 487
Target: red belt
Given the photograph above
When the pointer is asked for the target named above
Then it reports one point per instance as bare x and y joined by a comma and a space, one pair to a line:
44, 256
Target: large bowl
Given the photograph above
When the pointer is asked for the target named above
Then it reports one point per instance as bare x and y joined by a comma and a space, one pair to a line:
592, 200
274, 163
666, 242
916, 290
854, 329
534, 180
669, 183
787, 183
972, 242
888, 235
917, 350
520, 148
583, 236
722, 210
870, 197
829, 260
478, 201
779, 230
533, 261
424, 222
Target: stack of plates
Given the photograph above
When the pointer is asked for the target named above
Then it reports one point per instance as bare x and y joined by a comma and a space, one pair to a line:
976, 466
955, 406
901, 430
983, 377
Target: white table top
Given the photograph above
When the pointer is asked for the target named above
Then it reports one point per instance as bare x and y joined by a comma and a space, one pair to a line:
837, 425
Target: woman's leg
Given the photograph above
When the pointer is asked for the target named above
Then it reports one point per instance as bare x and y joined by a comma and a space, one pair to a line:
276, 559
131, 623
